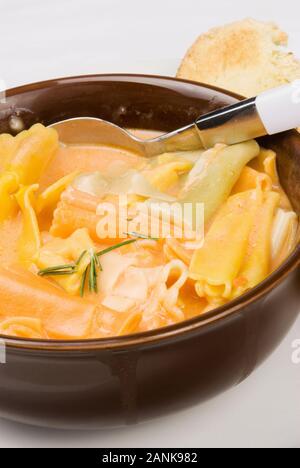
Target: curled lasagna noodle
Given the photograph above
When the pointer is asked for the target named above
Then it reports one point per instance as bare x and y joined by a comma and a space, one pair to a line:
23, 327
33, 151
170, 297
143, 295
215, 266
256, 265
131, 324
63, 251
266, 162
173, 249
8, 186
7, 147
251, 179
211, 180
49, 198
161, 307
166, 175
75, 210
23, 160
284, 235
30, 240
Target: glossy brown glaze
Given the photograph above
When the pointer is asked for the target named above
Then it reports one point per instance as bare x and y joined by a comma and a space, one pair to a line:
104, 383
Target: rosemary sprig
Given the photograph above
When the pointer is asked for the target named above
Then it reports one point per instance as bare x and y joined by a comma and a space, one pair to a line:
140, 236
57, 273
94, 265
91, 271
116, 246
83, 280
80, 257
98, 264
68, 269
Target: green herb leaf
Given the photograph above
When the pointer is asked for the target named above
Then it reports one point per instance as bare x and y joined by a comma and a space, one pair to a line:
98, 263
80, 257
57, 273
140, 236
83, 280
92, 268
93, 287
116, 246
58, 270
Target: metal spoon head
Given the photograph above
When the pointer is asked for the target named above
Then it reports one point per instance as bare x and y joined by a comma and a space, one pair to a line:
93, 131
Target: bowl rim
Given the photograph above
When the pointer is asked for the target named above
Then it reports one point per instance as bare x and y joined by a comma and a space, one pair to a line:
164, 334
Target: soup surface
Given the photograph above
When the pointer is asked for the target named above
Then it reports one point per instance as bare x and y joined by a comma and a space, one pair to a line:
98, 242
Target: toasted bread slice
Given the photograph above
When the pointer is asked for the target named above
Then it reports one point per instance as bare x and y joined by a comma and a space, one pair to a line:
246, 57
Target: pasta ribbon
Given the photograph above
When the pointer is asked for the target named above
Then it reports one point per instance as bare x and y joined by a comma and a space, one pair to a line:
266, 162
50, 197
23, 327
64, 251
171, 295
30, 241
251, 179
284, 235
33, 151
131, 324
8, 186
256, 264
143, 293
215, 266
174, 249
76, 210
166, 175
161, 307
23, 159
215, 174
7, 146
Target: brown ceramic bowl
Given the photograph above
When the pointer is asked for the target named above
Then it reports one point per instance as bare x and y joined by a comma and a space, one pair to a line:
113, 382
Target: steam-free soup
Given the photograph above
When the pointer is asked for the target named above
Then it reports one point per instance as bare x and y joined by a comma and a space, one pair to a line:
95, 241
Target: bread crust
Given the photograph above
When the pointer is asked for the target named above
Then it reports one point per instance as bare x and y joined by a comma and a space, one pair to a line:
246, 57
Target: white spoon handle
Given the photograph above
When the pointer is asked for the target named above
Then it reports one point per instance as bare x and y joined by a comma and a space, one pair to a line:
279, 108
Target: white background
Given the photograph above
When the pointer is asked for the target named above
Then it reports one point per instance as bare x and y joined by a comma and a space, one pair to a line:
45, 39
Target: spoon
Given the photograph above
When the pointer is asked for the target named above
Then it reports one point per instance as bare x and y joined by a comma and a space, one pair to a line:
271, 112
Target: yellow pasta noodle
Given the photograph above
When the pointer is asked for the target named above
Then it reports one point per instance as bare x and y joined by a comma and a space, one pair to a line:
63, 251
23, 327
33, 151
50, 197
30, 240
7, 146
251, 179
284, 235
8, 186
256, 265
266, 162
131, 324
166, 175
174, 249
211, 181
215, 266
